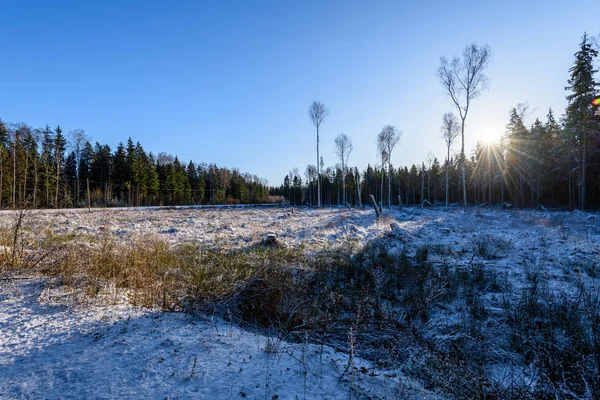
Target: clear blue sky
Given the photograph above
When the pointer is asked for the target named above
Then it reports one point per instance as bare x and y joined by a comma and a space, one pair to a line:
230, 82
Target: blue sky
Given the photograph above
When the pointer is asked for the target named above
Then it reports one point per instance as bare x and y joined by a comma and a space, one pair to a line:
230, 82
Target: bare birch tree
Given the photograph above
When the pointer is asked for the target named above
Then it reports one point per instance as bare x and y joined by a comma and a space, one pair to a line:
357, 177
343, 148
463, 80
450, 130
318, 113
386, 141
77, 137
430, 159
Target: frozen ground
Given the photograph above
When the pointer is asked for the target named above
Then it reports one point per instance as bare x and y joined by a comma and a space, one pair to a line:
512, 242
211, 227
51, 347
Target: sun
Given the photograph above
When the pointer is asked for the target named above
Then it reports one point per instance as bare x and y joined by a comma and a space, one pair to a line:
488, 138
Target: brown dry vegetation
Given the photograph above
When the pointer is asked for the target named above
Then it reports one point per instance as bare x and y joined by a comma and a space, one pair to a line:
463, 330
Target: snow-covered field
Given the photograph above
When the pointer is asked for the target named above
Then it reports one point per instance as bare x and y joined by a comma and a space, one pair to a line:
51, 348
230, 228
54, 347
516, 240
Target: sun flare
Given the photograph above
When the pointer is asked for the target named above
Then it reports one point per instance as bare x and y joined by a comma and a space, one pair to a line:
488, 138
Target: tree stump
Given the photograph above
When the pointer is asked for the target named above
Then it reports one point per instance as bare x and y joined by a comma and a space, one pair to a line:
271, 240
374, 202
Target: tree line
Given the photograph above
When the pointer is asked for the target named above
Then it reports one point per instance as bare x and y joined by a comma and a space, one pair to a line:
553, 162
43, 168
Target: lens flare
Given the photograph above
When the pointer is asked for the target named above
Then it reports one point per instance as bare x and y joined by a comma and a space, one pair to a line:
596, 101
489, 138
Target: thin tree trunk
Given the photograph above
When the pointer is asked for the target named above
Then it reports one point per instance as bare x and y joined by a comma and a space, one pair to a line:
57, 184
400, 192
583, 160
343, 183
521, 187
35, 182
422, 184
77, 196
447, 172
389, 184
318, 173
429, 184
26, 169
462, 162
47, 185
502, 186
490, 174
382, 178
358, 191
538, 183
14, 200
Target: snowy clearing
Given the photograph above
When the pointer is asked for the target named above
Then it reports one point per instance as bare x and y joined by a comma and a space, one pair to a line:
51, 348
54, 345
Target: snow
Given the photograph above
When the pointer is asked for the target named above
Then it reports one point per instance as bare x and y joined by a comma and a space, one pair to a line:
51, 347
230, 228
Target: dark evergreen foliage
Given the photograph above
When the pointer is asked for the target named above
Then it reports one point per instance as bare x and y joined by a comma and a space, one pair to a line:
34, 171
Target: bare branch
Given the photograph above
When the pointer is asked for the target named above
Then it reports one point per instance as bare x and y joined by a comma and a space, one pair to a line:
450, 128
318, 113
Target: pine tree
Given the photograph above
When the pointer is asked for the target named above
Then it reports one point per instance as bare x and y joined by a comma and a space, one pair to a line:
70, 177
30, 146
47, 164
196, 182
517, 136
551, 159
153, 181
3, 143
580, 122
60, 144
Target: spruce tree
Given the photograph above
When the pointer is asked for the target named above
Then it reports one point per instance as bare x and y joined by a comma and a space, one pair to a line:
3, 141
580, 121
60, 144
517, 135
84, 169
47, 164
153, 182
551, 159
70, 178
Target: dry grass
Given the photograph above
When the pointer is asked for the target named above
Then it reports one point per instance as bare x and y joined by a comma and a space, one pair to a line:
446, 325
